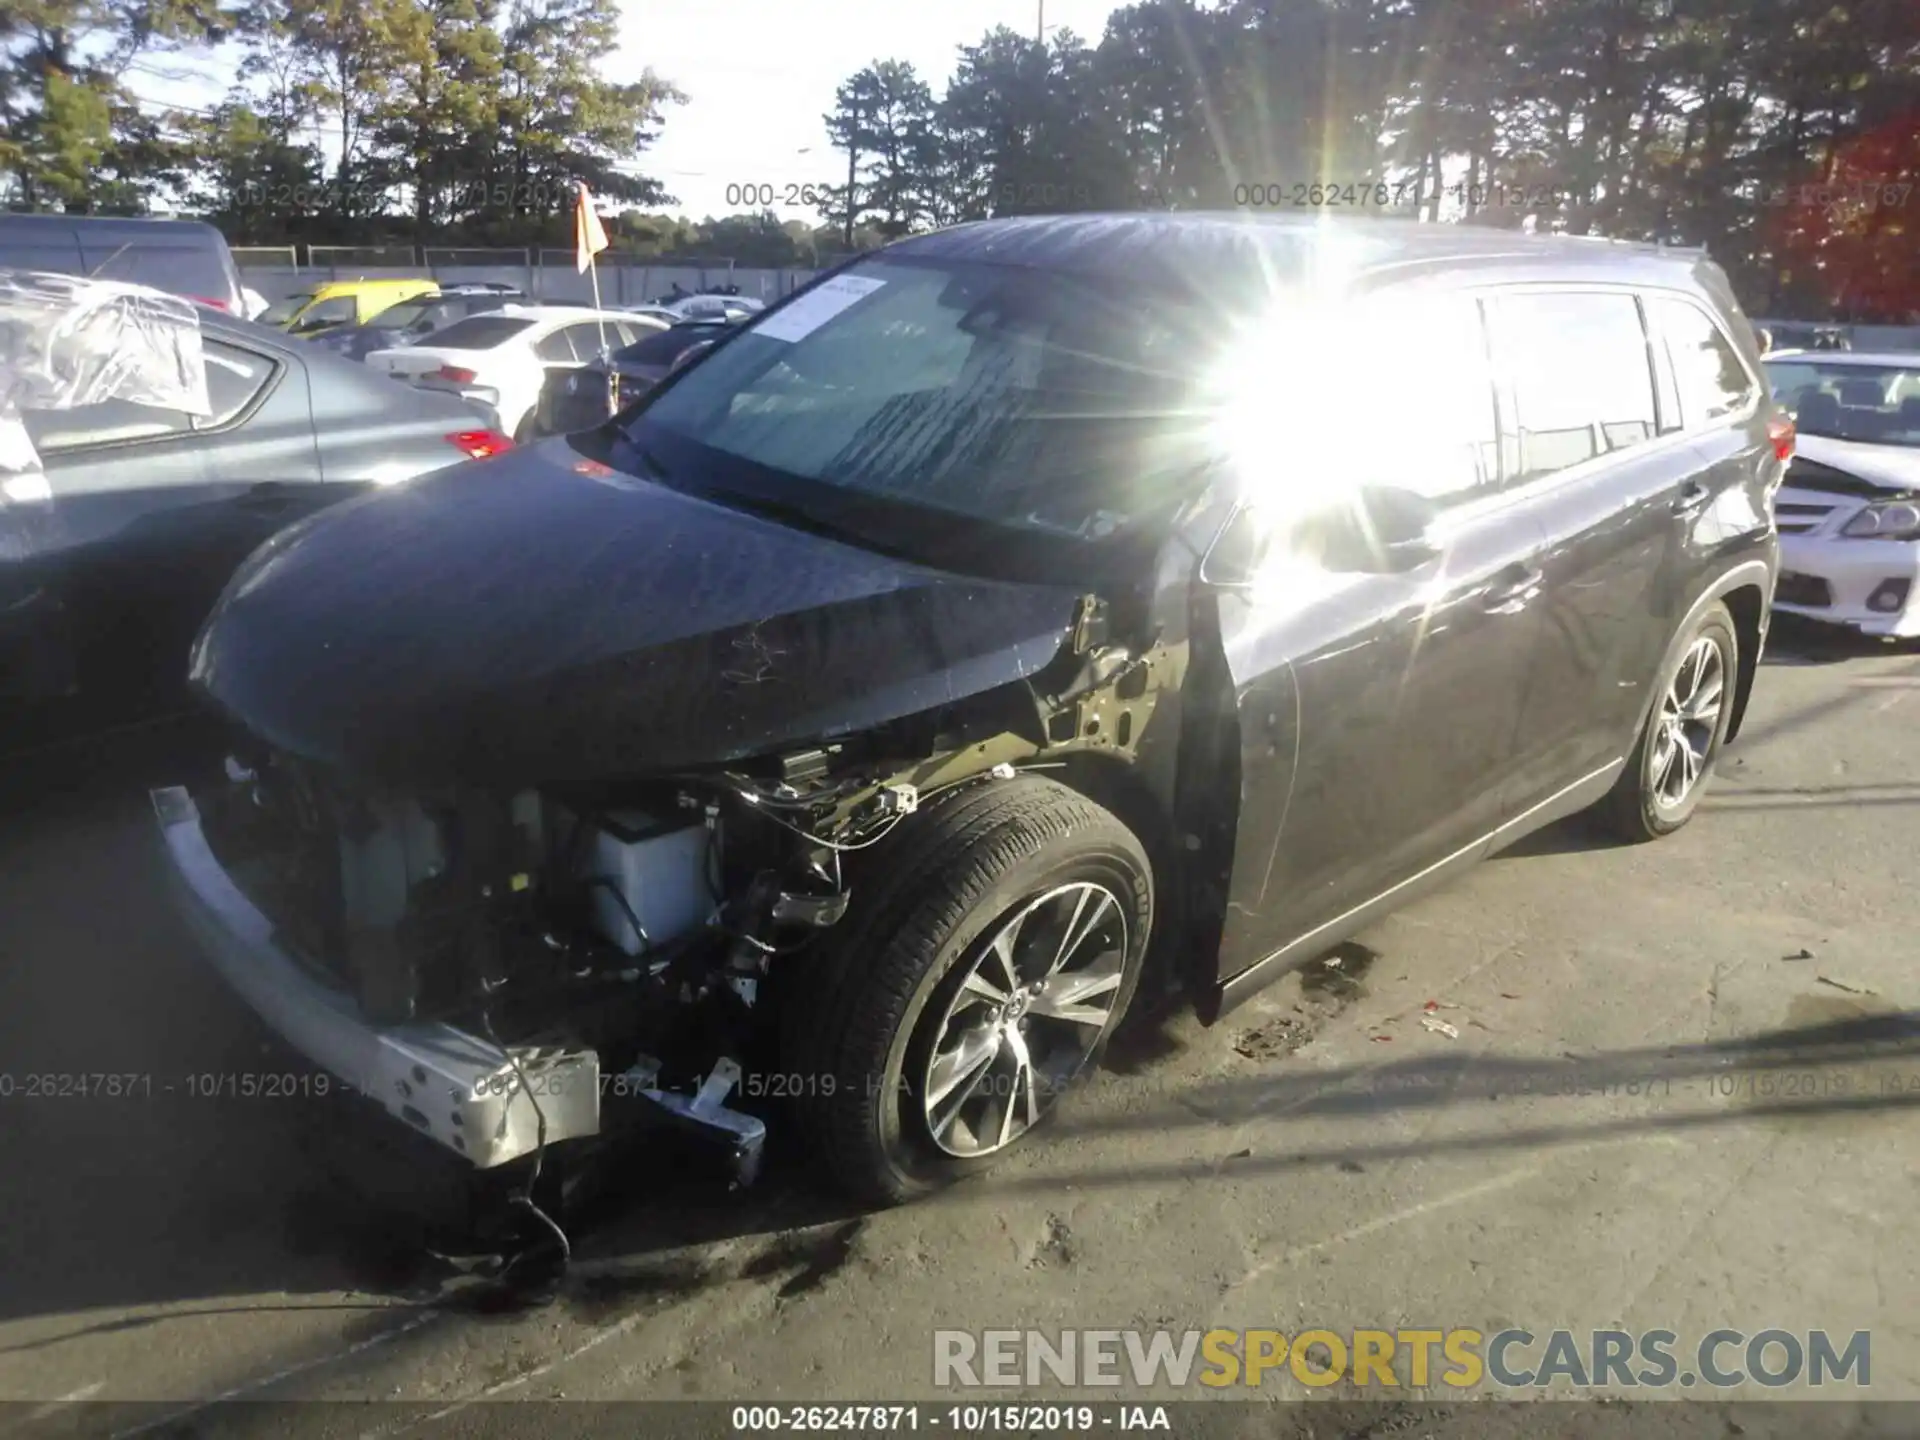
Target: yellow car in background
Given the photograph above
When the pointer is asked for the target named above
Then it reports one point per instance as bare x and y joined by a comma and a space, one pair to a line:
341, 302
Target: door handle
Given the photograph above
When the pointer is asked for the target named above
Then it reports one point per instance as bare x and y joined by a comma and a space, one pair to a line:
1514, 590
1692, 499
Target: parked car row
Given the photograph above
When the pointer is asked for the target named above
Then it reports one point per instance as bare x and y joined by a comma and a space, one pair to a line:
499, 360
574, 399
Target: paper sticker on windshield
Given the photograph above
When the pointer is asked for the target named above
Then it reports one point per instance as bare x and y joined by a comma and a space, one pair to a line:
819, 305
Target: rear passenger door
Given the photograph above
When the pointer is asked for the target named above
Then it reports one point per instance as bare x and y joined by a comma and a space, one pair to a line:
1601, 464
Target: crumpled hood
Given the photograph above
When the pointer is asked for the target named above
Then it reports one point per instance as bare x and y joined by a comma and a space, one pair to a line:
1897, 467
533, 618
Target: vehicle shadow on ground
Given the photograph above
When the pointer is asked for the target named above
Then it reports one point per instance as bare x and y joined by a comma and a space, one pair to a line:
1792, 640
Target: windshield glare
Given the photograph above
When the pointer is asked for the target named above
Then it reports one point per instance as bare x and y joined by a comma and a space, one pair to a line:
1034, 402
1869, 404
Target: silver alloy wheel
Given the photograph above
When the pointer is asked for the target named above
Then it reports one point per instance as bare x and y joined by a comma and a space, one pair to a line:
1034, 1002
1689, 720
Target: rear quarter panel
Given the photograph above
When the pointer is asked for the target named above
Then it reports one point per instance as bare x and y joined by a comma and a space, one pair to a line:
371, 427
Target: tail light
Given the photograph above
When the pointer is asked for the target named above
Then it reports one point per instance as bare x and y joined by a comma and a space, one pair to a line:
457, 374
209, 300
480, 444
1781, 433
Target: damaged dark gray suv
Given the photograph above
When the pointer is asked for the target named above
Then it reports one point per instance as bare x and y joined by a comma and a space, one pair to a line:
1018, 611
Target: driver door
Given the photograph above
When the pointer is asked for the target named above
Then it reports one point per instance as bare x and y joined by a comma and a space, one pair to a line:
1378, 711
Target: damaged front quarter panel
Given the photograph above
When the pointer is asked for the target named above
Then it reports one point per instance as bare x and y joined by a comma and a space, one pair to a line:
596, 752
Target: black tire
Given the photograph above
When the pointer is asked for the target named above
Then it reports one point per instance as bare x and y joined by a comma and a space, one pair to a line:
932, 895
1635, 809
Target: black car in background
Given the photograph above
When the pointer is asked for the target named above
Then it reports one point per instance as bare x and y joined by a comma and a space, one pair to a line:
188, 258
576, 398
1022, 609
156, 508
413, 320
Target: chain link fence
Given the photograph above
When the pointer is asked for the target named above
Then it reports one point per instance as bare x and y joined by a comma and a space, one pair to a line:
439, 257
339, 257
265, 256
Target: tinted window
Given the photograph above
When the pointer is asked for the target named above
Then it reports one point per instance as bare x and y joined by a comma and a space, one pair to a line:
1712, 382
1577, 374
480, 332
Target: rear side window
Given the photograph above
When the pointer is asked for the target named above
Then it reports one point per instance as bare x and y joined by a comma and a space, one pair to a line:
1578, 381
587, 338
1708, 372
480, 332
234, 378
557, 348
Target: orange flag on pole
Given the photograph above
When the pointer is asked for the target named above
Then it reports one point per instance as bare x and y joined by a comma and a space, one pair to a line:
589, 235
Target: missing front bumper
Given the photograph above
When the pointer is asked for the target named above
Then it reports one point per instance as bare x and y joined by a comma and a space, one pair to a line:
460, 1090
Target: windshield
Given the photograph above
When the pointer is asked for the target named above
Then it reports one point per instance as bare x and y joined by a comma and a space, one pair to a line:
1871, 404
281, 311
904, 399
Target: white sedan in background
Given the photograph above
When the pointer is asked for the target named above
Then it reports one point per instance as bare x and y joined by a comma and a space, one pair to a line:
501, 358
1849, 512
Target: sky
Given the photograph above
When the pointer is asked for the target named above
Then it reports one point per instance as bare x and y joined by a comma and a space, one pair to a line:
758, 76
